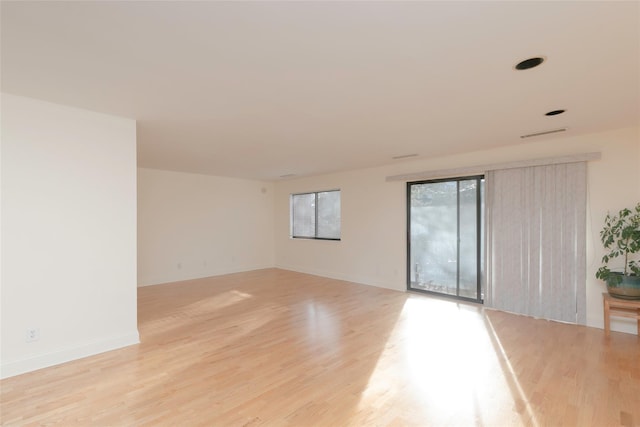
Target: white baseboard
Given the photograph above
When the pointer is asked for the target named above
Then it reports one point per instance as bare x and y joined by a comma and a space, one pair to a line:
17, 367
213, 273
346, 278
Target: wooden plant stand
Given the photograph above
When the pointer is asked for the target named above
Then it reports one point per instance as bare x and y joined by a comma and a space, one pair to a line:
620, 308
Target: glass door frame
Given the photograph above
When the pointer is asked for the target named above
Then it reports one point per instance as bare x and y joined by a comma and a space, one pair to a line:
479, 238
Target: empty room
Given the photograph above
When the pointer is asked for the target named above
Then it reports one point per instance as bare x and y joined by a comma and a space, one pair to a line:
320, 213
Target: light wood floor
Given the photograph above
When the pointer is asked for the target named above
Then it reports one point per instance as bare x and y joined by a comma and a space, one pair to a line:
278, 348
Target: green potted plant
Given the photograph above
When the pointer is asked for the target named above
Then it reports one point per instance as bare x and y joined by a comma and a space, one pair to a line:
621, 237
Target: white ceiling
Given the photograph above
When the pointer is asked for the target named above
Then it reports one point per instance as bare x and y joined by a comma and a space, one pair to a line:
264, 89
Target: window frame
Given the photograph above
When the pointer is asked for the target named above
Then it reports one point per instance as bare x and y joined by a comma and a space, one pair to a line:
480, 241
315, 236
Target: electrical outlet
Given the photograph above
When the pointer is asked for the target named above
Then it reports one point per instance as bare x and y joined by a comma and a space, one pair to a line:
33, 335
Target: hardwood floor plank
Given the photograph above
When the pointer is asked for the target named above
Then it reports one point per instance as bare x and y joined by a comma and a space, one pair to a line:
278, 348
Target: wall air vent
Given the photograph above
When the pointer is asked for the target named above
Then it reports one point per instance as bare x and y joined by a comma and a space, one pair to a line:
547, 132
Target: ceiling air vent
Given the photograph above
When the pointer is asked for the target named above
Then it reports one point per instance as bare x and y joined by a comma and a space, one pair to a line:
404, 156
546, 132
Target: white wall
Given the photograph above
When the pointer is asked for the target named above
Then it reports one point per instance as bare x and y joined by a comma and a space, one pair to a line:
372, 249
192, 226
68, 233
373, 246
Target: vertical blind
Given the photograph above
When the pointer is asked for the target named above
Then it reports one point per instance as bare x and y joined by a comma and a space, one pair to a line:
536, 225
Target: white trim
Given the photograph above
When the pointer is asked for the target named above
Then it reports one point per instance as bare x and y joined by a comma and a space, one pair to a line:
475, 170
17, 367
215, 273
344, 277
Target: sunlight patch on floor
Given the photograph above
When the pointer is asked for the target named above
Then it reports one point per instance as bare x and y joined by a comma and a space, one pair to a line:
440, 353
512, 377
208, 305
202, 307
321, 324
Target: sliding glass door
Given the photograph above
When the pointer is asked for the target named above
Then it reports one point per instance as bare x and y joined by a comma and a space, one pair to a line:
445, 237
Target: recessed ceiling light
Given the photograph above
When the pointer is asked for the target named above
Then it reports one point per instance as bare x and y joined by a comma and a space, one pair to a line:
554, 112
529, 63
289, 175
404, 156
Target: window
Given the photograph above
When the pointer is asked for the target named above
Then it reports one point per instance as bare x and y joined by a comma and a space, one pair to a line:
316, 215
